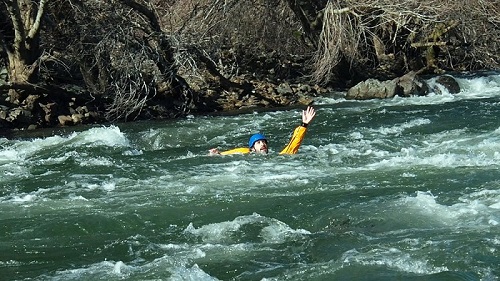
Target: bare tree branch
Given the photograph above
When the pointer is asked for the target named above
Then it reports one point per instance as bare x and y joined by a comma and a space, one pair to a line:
20, 33
153, 19
360, 32
35, 28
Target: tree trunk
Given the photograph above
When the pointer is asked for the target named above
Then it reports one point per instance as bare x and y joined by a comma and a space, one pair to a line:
23, 48
310, 15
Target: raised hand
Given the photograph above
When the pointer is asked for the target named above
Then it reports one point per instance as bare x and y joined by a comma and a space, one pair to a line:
308, 115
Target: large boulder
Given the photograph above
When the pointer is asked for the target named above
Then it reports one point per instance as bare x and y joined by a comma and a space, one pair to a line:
372, 89
446, 83
411, 85
407, 85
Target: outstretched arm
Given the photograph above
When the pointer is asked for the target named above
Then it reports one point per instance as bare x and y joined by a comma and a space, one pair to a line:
239, 150
298, 134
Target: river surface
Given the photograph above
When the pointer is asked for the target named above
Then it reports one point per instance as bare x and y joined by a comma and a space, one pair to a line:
398, 189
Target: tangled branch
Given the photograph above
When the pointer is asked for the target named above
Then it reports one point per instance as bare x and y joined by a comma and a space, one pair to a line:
366, 32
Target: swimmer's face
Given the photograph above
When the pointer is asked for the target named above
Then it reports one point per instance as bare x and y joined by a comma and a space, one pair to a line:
260, 146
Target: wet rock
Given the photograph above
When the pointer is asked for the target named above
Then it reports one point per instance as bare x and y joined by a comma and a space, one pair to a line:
305, 100
284, 88
411, 85
3, 112
304, 88
77, 118
372, 89
82, 109
50, 111
30, 101
405, 86
449, 83
65, 120
20, 116
92, 116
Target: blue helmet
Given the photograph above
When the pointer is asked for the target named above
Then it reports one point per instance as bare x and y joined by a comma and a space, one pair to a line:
255, 138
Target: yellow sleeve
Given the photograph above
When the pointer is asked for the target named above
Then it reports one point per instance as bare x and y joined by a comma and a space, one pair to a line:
240, 150
293, 145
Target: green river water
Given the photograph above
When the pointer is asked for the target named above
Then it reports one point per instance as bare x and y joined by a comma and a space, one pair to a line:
399, 189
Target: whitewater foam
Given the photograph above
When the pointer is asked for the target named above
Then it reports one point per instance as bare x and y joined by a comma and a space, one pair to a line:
391, 257
468, 213
271, 230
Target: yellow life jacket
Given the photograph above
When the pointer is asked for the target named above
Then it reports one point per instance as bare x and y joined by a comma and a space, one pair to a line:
291, 148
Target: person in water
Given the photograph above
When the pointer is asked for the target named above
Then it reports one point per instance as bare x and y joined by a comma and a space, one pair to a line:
258, 142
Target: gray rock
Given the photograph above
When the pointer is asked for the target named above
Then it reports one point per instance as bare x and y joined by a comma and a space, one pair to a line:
404, 86
372, 89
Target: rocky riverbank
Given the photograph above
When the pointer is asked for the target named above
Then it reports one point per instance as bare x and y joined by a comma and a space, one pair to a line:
37, 111
68, 65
